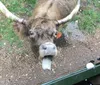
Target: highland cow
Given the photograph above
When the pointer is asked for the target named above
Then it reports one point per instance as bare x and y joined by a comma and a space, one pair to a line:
41, 27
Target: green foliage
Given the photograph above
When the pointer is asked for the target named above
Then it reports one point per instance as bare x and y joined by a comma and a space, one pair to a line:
89, 20
20, 8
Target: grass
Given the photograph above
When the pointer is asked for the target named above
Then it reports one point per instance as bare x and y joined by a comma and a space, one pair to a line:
18, 7
89, 19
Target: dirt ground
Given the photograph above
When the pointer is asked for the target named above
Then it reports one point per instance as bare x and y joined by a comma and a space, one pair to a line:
19, 67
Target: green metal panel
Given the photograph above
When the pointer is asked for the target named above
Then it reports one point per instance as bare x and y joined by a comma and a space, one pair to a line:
75, 77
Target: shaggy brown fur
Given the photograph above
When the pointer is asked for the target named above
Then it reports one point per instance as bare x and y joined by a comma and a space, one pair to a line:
44, 15
41, 26
53, 9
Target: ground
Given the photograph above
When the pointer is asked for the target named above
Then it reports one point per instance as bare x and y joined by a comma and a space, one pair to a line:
22, 69
19, 67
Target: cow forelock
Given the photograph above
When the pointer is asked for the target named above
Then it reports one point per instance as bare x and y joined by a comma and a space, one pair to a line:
42, 31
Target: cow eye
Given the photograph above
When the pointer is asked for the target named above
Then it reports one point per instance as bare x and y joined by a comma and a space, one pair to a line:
30, 33
55, 34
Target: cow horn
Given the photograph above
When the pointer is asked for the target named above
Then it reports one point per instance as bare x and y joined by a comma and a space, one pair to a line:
74, 11
10, 15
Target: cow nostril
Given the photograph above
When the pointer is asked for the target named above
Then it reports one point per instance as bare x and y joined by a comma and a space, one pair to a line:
54, 47
44, 47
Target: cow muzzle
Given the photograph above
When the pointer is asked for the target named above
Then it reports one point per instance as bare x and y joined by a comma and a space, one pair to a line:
47, 48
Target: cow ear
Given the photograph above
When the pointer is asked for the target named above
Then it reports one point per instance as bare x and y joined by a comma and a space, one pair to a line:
21, 28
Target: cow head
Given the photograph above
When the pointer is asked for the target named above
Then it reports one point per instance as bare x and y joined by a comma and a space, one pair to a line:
42, 33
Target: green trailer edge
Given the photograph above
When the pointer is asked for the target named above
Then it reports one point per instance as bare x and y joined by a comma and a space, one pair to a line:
75, 77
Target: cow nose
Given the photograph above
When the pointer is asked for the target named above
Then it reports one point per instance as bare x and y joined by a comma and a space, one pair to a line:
45, 47
48, 49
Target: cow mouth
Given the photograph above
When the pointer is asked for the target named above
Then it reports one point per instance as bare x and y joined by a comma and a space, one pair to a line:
46, 62
49, 57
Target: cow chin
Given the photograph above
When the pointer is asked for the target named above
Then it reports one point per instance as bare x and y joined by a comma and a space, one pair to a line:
47, 49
